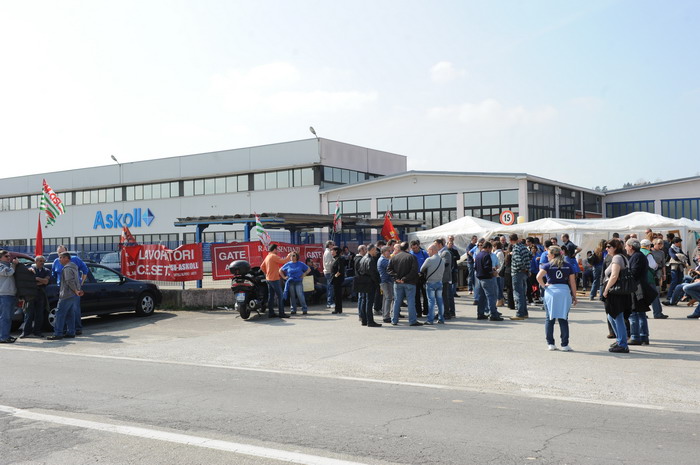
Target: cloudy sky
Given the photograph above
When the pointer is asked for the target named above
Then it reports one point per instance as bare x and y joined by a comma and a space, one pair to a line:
590, 93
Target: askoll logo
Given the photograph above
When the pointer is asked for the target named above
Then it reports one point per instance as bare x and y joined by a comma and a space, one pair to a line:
117, 220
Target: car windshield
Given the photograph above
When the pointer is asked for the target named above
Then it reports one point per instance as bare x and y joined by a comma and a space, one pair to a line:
104, 275
111, 258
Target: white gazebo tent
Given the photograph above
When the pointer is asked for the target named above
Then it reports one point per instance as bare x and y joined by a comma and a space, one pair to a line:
586, 233
461, 228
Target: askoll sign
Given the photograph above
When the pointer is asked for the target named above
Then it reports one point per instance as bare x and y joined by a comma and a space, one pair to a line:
117, 220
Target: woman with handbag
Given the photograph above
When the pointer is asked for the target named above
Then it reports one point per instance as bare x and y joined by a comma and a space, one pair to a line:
560, 295
617, 304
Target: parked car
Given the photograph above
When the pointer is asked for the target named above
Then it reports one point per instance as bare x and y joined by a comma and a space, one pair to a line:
106, 291
112, 260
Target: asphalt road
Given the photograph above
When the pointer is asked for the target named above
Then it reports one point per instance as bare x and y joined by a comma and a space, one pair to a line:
205, 387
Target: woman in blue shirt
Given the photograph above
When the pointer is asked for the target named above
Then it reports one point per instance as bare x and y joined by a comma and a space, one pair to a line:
560, 295
293, 273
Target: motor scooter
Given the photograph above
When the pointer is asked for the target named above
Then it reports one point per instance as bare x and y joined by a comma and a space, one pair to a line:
249, 288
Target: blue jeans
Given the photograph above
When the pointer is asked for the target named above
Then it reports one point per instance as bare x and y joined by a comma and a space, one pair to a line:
639, 327
618, 325
470, 277
274, 289
656, 306
597, 273
487, 297
330, 298
520, 292
693, 291
676, 279
296, 296
677, 293
361, 300
435, 295
388, 299
65, 316
499, 292
408, 292
549, 329
7, 307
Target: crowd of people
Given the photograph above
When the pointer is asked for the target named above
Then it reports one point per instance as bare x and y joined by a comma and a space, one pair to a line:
510, 271
629, 275
29, 283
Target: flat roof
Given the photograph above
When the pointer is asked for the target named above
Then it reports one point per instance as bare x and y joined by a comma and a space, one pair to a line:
529, 177
296, 220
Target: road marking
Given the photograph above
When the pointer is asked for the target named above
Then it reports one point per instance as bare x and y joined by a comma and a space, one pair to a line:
186, 439
364, 380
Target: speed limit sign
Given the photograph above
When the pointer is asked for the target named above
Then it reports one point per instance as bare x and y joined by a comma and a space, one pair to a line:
507, 217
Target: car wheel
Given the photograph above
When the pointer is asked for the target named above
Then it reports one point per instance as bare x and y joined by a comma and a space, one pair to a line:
146, 304
51, 317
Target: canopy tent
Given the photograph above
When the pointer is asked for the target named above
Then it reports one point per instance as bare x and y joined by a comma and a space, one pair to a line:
586, 233
462, 229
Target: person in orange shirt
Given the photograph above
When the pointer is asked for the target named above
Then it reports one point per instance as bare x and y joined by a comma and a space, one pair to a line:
271, 267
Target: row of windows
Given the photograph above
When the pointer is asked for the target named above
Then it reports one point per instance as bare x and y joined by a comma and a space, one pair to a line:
681, 208
491, 214
615, 209
220, 185
332, 176
283, 179
361, 208
490, 198
416, 202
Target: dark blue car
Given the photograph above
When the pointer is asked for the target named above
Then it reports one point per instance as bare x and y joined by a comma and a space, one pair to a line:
106, 291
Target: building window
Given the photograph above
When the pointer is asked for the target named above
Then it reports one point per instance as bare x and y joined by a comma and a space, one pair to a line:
592, 203
339, 176
434, 210
488, 205
540, 200
615, 209
681, 208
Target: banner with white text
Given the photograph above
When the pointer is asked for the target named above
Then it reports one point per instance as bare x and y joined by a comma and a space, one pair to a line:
155, 262
254, 253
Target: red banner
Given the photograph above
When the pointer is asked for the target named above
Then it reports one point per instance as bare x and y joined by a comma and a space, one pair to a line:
157, 263
254, 253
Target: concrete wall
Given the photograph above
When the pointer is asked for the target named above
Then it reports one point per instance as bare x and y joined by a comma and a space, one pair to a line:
205, 299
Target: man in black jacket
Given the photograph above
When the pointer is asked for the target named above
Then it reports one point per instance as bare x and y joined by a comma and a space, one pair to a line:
486, 282
366, 283
403, 267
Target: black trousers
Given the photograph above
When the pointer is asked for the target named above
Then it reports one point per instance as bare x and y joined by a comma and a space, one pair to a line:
338, 293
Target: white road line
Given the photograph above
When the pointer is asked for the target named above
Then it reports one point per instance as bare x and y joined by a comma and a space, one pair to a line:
364, 380
196, 441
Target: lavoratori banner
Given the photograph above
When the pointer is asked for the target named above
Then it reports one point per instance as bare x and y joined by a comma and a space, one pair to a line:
254, 253
157, 263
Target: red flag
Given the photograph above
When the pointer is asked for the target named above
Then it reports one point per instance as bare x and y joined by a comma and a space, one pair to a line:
388, 230
126, 239
39, 247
